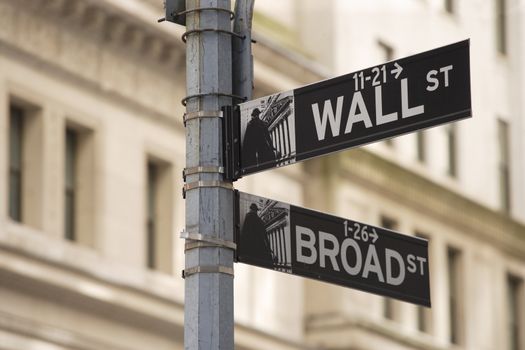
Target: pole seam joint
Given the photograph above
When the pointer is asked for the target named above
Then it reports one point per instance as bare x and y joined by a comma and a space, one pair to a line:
218, 9
208, 269
207, 169
184, 101
202, 30
206, 184
214, 241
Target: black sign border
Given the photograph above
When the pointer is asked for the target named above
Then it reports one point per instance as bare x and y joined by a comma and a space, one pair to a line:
361, 286
335, 281
377, 136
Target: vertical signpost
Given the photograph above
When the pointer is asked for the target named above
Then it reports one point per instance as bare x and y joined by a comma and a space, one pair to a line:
384, 101
208, 310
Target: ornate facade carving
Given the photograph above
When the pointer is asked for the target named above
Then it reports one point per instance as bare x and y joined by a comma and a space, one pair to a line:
92, 41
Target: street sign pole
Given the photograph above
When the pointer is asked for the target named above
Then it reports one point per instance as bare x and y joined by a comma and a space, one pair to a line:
242, 53
208, 272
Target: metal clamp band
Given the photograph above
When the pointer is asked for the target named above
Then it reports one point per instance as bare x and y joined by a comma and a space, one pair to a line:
207, 269
214, 183
202, 169
195, 31
194, 245
200, 184
184, 101
217, 242
182, 13
201, 114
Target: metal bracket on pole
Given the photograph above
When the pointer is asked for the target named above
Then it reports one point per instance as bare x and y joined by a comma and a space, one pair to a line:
202, 30
200, 115
185, 12
202, 170
172, 7
207, 269
200, 184
175, 11
236, 221
232, 143
210, 241
218, 94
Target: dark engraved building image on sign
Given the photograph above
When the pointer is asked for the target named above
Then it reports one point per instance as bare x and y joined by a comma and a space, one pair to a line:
268, 131
265, 232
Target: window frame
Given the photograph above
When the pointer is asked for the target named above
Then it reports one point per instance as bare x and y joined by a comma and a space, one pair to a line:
15, 167
504, 166
158, 214
151, 214
421, 151
389, 309
515, 316
501, 27
70, 183
455, 298
452, 150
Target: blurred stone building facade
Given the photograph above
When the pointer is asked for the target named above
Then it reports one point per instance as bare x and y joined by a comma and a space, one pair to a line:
92, 152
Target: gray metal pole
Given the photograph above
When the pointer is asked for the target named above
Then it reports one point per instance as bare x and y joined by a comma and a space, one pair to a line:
242, 49
208, 314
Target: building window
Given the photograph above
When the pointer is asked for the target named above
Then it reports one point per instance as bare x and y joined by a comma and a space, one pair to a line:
388, 309
79, 184
388, 305
450, 6
451, 134
454, 292
424, 316
150, 224
514, 307
16, 135
501, 26
421, 146
25, 164
504, 166
70, 184
158, 240
422, 320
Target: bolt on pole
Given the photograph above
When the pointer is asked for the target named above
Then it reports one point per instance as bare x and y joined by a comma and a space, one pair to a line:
208, 322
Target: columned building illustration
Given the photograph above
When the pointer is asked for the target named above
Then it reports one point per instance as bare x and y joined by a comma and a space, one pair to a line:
276, 221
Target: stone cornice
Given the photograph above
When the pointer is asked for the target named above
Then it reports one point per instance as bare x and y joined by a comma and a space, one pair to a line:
331, 325
434, 200
118, 47
93, 44
109, 22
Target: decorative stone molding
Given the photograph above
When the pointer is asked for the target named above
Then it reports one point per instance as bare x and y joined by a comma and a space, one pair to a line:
114, 30
97, 42
393, 181
93, 20
73, 10
117, 52
134, 38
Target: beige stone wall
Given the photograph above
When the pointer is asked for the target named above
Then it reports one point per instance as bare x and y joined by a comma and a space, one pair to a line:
105, 68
